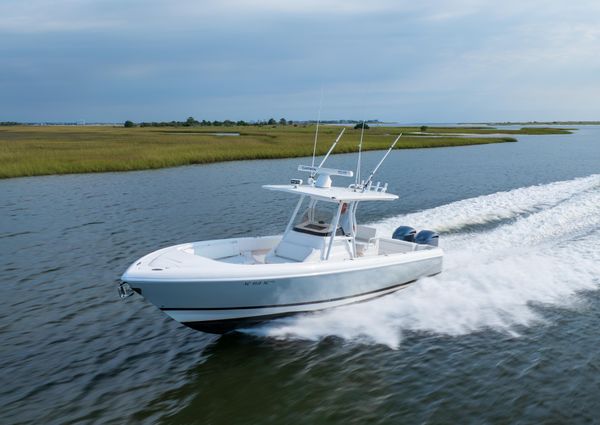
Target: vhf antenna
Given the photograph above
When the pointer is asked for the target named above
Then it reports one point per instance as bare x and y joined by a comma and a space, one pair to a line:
380, 162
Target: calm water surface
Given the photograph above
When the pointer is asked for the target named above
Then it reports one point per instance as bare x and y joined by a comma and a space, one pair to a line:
508, 333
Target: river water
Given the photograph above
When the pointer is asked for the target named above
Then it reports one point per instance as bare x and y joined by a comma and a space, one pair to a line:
507, 333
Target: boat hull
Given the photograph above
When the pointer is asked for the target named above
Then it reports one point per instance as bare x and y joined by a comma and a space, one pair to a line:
228, 320
219, 306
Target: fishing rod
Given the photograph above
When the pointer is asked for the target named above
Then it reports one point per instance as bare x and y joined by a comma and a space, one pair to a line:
357, 180
380, 162
331, 148
315, 170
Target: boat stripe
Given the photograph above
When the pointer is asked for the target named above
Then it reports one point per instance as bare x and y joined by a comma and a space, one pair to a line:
288, 305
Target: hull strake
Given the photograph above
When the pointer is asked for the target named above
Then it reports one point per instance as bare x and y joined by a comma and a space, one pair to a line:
224, 320
286, 305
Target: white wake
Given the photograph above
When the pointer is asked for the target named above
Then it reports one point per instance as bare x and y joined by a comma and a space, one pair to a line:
543, 250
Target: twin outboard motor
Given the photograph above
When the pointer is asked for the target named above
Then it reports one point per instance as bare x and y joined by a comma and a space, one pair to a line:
427, 237
424, 237
404, 233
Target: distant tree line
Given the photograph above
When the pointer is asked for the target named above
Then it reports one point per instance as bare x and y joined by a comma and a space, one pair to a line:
344, 122
192, 122
5, 123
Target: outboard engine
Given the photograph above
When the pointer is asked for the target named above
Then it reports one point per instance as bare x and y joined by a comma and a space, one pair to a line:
427, 237
404, 233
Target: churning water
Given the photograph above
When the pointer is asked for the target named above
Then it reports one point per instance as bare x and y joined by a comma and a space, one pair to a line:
505, 253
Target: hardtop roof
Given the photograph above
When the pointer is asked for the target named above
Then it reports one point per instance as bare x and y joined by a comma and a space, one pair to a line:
333, 194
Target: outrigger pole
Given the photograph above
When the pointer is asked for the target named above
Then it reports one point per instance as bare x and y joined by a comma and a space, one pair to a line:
328, 153
380, 162
332, 147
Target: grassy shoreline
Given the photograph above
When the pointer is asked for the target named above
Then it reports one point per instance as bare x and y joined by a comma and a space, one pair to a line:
34, 151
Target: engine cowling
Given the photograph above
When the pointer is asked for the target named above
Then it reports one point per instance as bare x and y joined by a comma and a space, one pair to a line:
404, 233
427, 237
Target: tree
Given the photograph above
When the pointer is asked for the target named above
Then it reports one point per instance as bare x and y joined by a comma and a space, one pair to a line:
190, 121
423, 128
128, 124
271, 121
282, 121
360, 124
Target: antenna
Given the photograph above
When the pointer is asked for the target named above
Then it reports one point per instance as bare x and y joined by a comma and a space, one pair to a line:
362, 132
381, 162
317, 130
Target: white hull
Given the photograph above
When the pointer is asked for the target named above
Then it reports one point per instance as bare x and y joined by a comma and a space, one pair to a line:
218, 296
219, 321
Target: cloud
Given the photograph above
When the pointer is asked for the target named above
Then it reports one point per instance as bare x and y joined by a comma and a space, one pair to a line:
38, 16
446, 61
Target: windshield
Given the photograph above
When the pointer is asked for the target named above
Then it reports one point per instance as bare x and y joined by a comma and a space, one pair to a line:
316, 218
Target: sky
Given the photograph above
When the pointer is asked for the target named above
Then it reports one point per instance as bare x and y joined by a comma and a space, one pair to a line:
402, 61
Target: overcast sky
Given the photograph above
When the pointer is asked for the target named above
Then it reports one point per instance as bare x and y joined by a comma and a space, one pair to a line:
406, 61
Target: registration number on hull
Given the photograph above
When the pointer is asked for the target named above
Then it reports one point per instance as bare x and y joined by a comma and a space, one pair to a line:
258, 282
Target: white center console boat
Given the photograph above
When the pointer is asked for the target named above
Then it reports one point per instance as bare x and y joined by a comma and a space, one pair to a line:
323, 259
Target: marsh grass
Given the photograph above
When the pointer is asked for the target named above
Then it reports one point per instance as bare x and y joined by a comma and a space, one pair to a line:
31, 151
